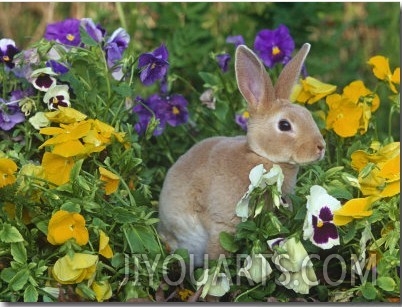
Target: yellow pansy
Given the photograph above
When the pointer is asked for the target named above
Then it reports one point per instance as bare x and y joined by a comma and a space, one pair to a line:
383, 179
102, 289
383, 72
350, 112
7, 170
65, 225
65, 140
73, 270
356, 90
104, 248
343, 115
65, 115
311, 90
353, 209
110, 180
57, 168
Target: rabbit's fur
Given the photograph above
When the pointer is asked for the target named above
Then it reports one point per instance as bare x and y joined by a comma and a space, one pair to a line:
200, 192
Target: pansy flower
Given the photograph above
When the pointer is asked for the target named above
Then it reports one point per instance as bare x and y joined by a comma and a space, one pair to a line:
214, 282
95, 31
256, 267
7, 171
311, 90
242, 119
379, 171
75, 269
319, 225
57, 67
10, 114
223, 61
383, 72
39, 120
57, 168
114, 48
292, 260
260, 178
235, 39
7, 52
208, 99
64, 225
177, 112
350, 112
110, 180
102, 289
356, 208
104, 248
274, 46
153, 65
57, 96
43, 79
66, 32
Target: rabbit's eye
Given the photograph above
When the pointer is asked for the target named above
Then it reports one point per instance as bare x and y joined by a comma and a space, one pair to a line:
284, 125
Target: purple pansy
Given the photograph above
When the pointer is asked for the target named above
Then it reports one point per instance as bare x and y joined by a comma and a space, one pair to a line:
242, 120
57, 67
318, 225
274, 46
223, 61
153, 65
10, 115
236, 40
114, 48
95, 31
66, 32
177, 112
170, 110
7, 52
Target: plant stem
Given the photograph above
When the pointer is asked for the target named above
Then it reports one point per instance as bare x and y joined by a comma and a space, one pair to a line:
247, 292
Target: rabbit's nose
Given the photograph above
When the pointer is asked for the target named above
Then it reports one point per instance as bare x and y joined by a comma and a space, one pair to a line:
320, 147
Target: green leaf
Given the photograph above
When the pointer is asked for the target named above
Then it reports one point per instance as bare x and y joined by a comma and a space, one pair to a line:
10, 234
19, 280
386, 283
140, 239
368, 291
19, 252
124, 90
86, 38
209, 78
30, 294
350, 233
7, 274
227, 241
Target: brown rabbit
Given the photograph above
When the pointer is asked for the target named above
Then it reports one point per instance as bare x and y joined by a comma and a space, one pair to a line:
200, 192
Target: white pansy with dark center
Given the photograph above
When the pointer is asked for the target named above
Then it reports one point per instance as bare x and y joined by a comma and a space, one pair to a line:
318, 225
57, 96
42, 79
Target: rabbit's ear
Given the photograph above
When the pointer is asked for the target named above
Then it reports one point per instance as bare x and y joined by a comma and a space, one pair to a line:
290, 73
252, 79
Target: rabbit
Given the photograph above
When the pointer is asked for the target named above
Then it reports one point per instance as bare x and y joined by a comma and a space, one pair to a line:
201, 189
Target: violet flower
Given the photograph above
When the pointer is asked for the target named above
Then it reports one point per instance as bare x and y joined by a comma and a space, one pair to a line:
94, 31
10, 115
242, 120
57, 67
66, 32
274, 46
223, 61
236, 40
146, 109
7, 52
114, 48
153, 65
177, 112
